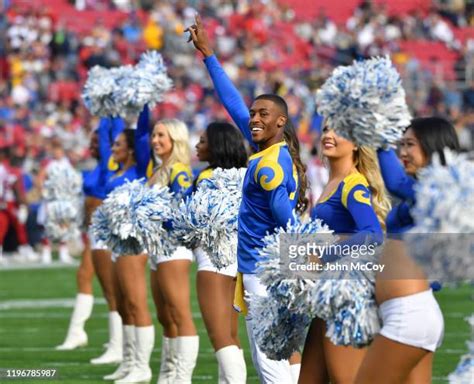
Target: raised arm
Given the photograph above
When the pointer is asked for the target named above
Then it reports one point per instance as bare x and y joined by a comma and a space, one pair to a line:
142, 142
105, 141
109, 129
397, 181
228, 94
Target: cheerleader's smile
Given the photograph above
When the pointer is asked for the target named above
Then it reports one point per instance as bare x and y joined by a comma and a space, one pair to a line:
411, 153
161, 142
335, 146
266, 120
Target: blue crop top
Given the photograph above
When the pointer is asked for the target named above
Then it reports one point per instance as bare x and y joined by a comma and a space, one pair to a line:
94, 180
348, 209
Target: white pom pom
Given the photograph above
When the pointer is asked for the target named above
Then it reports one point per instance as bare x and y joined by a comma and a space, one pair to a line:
62, 190
365, 103
345, 299
278, 331
62, 182
131, 220
281, 320
442, 239
125, 90
464, 372
281, 283
64, 218
209, 218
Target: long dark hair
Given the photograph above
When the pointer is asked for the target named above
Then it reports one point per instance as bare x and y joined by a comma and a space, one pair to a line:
129, 135
226, 146
434, 134
291, 139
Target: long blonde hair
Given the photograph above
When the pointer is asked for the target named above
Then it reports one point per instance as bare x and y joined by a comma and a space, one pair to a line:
366, 162
180, 152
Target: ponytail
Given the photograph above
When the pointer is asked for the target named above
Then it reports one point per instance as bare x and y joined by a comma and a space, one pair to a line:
294, 148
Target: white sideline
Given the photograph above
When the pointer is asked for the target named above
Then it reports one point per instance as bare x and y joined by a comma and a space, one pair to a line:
43, 303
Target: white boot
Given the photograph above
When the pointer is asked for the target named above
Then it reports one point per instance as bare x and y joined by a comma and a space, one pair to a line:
76, 336
128, 360
64, 256
187, 351
113, 354
295, 372
168, 361
46, 255
141, 372
27, 253
232, 369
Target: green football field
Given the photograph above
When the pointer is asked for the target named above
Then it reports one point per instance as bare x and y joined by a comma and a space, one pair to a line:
35, 306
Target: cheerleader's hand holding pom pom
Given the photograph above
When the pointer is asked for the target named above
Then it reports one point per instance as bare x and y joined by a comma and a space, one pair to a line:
132, 219
208, 219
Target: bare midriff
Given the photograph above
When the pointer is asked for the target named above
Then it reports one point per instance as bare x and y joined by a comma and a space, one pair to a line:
401, 275
91, 205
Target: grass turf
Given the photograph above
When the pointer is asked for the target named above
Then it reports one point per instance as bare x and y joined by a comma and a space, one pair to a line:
29, 332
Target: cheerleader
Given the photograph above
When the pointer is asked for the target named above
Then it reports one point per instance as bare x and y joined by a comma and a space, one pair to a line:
129, 270
353, 202
424, 137
170, 273
94, 189
274, 186
93, 185
222, 146
412, 323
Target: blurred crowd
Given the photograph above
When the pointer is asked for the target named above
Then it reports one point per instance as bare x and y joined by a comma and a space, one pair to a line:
264, 45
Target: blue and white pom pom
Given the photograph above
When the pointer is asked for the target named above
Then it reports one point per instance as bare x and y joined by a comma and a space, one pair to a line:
464, 372
103, 89
281, 319
63, 220
125, 90
62, 182
291, 288
278, 332
62, 191
153, 78
345, 300
209, 218
365, 102
442, 239
131, 220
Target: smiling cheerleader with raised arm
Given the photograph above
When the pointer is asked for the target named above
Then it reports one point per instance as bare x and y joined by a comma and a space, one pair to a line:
129, 269
274, 186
